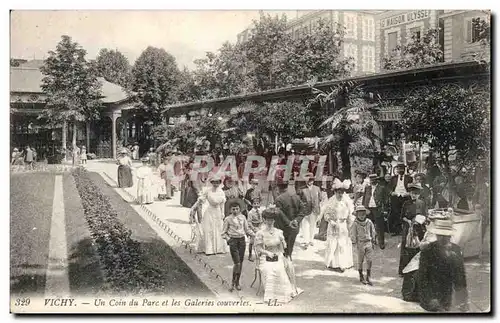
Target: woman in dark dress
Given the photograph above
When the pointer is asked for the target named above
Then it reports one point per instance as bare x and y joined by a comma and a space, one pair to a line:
411, 209
124, 169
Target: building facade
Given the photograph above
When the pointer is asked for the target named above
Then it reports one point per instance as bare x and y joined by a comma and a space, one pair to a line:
461, 36
359, 40
458, 36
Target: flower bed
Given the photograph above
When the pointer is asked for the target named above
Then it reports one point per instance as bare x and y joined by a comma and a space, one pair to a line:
124, 269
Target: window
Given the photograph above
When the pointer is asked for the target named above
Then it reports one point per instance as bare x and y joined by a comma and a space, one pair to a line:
368, 29
392, 41
351, 50
472, 30
350, 25
415, 32
368, 59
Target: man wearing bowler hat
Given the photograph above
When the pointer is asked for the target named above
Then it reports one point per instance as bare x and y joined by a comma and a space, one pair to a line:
399, 194
374, 202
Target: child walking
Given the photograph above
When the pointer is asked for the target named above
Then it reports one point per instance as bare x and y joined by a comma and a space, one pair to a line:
233, 231
363, 235
254, 221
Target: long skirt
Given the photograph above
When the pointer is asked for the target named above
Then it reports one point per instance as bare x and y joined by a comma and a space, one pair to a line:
409, 290
338, 253
407, 254
276, 283
211, 224
144, 191
125, 176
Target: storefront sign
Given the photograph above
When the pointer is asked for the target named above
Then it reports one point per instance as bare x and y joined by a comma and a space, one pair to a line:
405, 18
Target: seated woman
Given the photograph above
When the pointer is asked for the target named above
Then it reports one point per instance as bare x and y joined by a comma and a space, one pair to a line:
270, 246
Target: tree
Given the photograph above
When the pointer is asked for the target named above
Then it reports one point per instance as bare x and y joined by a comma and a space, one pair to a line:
452, 119
187, 89
72, 89
264, 49
282, 120
155, 79
351, 122
224, 73
314, 56
114, 67
420, 51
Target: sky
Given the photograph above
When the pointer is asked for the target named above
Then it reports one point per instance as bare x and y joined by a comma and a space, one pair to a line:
187, 35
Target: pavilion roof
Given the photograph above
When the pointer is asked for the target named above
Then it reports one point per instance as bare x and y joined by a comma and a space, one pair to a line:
27, 78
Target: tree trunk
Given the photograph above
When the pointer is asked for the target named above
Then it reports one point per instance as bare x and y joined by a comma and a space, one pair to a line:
346, 161
73, 142
64, 139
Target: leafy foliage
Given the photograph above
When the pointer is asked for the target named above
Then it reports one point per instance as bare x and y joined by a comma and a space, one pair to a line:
114, 67
351, 122
186, 136
155, 79
450, 118
269, 59
418, 52
484, 38
72, 89
286, 119
314, 56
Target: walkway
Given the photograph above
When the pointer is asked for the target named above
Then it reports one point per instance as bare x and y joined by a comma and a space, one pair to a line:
324, 290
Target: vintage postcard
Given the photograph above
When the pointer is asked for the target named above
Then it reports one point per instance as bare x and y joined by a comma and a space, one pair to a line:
320, 161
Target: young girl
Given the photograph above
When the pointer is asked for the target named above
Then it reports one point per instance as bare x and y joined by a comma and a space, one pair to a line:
233, 231
255, 222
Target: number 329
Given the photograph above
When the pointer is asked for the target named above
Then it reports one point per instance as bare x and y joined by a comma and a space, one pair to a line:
22, 302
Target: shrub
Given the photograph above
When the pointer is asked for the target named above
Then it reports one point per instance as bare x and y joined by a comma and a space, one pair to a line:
124, 269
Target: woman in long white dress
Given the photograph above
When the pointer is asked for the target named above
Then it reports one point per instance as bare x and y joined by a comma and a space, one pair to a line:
339, 215
145, 183
270, 246
211, 241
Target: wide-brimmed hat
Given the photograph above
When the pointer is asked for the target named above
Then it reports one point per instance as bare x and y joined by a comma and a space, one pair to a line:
15, 149
360, 208
414, 187
124, 151
254, 181
442, 227
338, 185
144, 159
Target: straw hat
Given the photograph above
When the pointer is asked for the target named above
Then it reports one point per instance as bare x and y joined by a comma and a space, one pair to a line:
415, 187
373, 176
442, 227
145, 159
254, 181
124, 151
360, 208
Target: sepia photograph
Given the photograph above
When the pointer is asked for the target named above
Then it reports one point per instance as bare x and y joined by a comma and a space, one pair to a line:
250, 161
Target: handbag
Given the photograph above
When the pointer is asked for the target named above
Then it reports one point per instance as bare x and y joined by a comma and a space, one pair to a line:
412, 241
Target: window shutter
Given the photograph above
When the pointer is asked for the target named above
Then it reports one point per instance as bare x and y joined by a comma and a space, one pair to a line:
468, 31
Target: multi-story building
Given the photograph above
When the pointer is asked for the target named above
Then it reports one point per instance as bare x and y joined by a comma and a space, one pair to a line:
458, 36
461, 36
396, 27
359, 40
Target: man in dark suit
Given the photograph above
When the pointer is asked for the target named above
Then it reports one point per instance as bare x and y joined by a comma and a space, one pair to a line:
374, 200
291, 208
311, 197
399, 195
